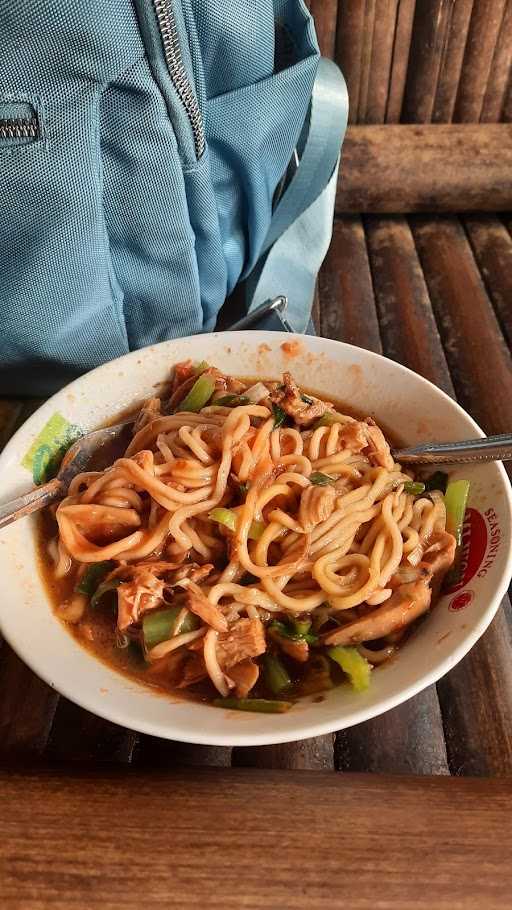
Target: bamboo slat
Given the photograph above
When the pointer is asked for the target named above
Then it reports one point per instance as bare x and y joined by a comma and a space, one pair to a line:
428, 46
325, 13
499, 76
492, 248
426, 168
483, 33
450, 70
400, 60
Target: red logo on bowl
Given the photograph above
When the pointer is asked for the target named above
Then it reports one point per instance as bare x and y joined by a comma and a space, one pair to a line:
474, 546
460, 601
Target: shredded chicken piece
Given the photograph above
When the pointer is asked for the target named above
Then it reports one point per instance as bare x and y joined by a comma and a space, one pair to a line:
151, 409
245, 676
354, 437
192, 571
297, 650
158, 567
316, 505
438, 558
181, 372
378, 449
234, 386
170, 667
304, 409
245, 638
439, 555
134, 598
208, 612
194, 670
404, 606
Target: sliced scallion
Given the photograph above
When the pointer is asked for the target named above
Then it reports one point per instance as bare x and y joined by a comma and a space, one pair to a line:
320, 479
93, 576
353, 664
275, 674
231, 401
199, 394
414, 488
279, 416
105, 588
455, 500
158, 626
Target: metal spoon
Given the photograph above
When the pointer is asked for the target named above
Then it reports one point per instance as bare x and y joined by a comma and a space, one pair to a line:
93, 452
97, 450
490, 448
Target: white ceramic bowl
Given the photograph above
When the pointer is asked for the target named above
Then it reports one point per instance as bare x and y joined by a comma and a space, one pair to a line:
405, 403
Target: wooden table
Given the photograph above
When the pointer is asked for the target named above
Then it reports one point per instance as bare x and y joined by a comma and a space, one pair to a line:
434, 294
258, 840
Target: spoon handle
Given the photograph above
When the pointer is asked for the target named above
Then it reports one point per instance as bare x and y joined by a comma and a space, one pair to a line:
31, 502
490, 448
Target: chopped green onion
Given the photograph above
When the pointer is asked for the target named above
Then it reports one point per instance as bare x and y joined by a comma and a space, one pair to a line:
437, 481
159, 626
302, 626
321, 480
306, 399
275, 674
224, 517
455, 500
93, 576
279, 416
103, 589
415, 488
229, 401
327, 419
201, 367
256, 530
243, 489
261, 705
228, 518
287, 631
353, 664
199, 394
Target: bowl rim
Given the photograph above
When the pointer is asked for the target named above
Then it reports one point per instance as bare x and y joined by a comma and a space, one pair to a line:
299, 731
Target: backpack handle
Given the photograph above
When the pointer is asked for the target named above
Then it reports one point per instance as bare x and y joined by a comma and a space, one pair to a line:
301, 227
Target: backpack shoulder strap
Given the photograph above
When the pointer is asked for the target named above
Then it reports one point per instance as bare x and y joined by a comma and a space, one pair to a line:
301, 227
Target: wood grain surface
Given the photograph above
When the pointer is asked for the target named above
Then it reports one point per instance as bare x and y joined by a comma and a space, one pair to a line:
325, 13
428, 47
476, 697
449, 73
253, 839
400, 61
499, 74
400, 168
492, 248
352, 26
421, 61
483, 35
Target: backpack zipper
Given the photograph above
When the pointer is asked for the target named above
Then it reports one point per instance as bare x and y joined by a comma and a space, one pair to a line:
174, 61
17, 128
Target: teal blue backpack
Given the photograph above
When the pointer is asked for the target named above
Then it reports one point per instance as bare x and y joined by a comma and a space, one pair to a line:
143, 145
